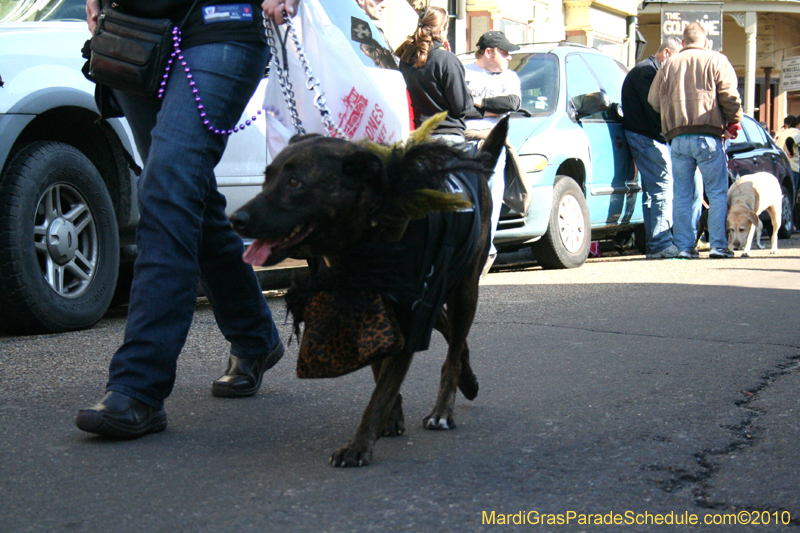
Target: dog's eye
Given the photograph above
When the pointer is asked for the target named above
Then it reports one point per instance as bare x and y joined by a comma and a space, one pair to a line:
294, 183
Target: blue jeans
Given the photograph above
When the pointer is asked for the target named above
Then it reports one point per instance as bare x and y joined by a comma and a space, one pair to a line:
655, 166
690, 152
497, 187
183, 235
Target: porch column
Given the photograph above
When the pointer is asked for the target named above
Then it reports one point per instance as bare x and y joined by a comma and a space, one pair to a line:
767, 116
751, 31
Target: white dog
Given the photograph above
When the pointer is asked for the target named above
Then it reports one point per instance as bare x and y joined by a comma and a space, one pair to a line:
747, 198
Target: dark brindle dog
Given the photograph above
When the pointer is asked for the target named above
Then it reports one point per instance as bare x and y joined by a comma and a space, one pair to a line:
366, 215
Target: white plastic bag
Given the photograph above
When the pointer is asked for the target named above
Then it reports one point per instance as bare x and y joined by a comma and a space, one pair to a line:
363, 102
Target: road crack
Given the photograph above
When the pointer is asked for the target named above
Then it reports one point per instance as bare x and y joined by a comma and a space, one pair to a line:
744, 436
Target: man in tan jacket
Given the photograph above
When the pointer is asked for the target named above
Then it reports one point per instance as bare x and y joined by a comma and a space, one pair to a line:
695, 93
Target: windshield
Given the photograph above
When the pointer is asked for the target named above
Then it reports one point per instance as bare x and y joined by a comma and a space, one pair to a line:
37, 10
538, 74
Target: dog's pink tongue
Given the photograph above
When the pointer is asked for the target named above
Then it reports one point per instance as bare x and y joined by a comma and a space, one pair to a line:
258, 252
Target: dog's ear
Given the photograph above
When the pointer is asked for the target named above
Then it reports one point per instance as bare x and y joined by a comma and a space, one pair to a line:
753, 217
363, 167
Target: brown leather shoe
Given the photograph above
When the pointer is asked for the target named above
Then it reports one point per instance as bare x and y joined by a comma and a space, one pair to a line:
243, 376
120, 416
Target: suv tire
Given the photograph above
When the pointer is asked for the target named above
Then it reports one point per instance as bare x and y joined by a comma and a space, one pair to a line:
568, 237
58, 231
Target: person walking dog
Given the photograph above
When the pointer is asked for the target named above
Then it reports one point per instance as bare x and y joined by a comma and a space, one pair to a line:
183, 235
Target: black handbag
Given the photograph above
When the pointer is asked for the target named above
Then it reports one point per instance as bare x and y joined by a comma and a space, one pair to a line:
130, 53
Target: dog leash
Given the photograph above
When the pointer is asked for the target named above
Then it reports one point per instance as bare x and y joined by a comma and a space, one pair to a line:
274, 34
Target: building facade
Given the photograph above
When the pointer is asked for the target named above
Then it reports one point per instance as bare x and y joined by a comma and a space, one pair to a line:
759, 37
762, 41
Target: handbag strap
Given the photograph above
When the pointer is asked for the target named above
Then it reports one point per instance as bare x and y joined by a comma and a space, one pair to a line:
186, 16
286, 85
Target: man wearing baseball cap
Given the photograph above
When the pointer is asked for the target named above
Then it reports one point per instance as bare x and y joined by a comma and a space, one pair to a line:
495, 90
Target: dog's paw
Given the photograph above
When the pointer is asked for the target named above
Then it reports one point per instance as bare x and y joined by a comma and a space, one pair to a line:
439, 422
350, 455
745, 254
395, 425
773, 252
468, 385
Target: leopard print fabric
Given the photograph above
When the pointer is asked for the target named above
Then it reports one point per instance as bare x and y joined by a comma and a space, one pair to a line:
338, 341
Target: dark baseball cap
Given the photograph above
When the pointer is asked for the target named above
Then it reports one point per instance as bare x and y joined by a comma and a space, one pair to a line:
496, 39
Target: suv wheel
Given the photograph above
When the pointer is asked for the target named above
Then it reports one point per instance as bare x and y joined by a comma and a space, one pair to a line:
58, 233
568, 237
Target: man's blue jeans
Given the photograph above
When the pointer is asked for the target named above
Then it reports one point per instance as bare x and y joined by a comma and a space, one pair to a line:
690, 152
183, 235
497, 188
653, 161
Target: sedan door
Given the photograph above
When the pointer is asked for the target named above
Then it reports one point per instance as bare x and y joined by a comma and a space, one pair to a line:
761, 158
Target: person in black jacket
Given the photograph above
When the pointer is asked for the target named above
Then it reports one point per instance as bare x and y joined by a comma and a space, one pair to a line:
650, 151
184, 237
434, 76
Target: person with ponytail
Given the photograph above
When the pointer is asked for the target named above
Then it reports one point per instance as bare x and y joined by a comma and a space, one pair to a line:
434, 76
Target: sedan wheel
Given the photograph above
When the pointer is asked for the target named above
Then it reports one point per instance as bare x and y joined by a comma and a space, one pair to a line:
787, 220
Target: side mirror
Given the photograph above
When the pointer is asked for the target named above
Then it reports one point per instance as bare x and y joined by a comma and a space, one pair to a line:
616, 112
738, 148
589, 104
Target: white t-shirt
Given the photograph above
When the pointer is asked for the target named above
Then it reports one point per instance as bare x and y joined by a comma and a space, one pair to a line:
488, 85
780, 140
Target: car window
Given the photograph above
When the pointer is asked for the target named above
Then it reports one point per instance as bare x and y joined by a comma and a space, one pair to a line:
580, 80
538, 75
609, 72
36, 10
755, 133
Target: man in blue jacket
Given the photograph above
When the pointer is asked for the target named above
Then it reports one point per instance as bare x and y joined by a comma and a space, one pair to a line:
650, 151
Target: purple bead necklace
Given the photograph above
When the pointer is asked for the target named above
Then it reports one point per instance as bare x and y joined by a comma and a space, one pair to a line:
176, 54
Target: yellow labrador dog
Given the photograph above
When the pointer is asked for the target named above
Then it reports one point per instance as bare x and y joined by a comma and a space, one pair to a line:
747, 198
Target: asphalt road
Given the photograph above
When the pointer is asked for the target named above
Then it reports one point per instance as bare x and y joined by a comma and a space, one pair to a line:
629, 390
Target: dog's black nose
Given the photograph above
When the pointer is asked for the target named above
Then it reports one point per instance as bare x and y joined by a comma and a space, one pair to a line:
240, 219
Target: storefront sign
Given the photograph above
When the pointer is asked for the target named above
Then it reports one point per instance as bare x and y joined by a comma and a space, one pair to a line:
790, 74
675, 17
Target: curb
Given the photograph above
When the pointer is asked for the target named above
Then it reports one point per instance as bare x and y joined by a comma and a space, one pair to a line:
275, 280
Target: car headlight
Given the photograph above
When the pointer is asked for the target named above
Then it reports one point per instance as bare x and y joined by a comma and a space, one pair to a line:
533, 163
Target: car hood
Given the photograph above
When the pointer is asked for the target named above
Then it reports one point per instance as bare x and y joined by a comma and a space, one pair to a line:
25, 36
527, 134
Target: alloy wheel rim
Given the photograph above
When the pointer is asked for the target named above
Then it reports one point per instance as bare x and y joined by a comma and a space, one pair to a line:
66, 241
787, 211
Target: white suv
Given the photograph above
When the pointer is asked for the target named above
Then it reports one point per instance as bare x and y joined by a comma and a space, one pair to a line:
68, 179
